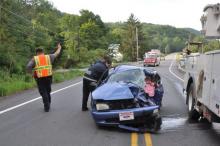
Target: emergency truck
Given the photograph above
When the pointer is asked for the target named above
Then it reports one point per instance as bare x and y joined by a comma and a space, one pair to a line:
202, 77
152, 58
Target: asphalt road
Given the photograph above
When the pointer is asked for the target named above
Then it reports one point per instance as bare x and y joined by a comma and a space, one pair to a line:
24, 123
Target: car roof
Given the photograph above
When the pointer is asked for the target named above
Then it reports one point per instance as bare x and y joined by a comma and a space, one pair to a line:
122, 68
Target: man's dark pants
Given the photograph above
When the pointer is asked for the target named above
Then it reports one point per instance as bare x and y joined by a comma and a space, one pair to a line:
87, 89
44, 87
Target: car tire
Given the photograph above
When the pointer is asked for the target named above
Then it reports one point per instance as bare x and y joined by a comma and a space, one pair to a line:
98, 126
193, 114
157, 123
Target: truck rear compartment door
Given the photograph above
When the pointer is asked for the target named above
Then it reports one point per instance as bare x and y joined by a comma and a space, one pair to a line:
215, 84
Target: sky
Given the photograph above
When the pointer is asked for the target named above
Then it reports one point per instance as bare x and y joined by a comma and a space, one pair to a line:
177, 13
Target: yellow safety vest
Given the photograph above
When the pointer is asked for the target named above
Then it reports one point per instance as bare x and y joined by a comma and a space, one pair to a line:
43, 67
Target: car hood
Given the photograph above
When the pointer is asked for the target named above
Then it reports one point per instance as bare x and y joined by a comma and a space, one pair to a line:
112, 91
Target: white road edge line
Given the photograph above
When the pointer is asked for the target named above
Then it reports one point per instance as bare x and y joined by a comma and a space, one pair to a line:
171, 65
22, 104
27, 102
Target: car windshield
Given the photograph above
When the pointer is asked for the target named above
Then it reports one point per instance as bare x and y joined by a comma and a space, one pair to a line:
135, 76
152, 56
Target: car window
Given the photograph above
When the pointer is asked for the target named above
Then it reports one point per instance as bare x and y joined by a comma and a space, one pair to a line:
152, 56
135, 76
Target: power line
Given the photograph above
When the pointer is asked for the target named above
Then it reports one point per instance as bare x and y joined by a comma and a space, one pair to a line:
16, 28
51, 33
21, 28
21, 17
0, 12
15, 14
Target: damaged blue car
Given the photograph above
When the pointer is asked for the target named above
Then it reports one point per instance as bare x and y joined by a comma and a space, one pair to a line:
121, 101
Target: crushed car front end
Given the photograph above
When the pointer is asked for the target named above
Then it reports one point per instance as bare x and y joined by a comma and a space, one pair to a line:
125, 106
134, 119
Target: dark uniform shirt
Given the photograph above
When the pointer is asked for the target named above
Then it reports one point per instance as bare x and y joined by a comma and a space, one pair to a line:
96, 72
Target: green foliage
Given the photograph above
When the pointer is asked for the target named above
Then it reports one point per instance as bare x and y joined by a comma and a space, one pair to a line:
92, 31
164, 37
212, 45
89, 56
89, 35
208, 45
87, 16
13, 83
150, 36
27, 24
59, 77
129, 39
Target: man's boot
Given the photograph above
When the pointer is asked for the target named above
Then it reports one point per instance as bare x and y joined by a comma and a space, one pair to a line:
46, 107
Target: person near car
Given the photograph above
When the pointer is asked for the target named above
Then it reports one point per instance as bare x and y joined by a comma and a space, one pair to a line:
41, 68
96, 72
149, 86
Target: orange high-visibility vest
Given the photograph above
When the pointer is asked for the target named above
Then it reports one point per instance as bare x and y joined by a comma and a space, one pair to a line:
43, 67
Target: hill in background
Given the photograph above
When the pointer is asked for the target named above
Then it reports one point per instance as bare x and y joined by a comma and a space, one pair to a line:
193, 31
163, 37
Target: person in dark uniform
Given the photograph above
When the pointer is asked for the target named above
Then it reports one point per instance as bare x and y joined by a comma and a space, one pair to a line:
97, 72
41, 67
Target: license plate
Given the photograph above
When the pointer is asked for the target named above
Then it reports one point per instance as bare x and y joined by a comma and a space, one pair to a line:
126, 116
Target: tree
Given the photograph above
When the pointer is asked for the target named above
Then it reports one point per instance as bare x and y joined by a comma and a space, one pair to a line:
25, 25
129, 41
89, 35
93, 31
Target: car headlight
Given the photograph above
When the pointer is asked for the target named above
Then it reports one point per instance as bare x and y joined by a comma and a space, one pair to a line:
102, 106
155, 111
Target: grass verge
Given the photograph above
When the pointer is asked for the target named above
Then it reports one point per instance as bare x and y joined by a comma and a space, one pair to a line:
15, 83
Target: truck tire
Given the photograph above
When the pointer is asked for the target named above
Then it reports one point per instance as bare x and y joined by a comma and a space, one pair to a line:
193, 114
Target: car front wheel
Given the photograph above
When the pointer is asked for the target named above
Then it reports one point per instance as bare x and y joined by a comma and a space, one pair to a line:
156, 124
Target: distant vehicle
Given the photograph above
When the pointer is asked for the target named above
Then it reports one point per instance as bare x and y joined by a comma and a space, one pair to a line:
120, 100
155, 51
117, 57
152, 59
113, 50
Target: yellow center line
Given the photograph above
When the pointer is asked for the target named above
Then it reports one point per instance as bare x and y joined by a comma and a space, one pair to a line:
134, 139
147, 138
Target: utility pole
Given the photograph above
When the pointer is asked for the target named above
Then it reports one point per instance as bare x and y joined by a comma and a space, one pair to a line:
0, 12
137, 41
0, 18
78, 43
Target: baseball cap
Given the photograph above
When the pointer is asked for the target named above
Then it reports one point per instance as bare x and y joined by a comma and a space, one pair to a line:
39, 50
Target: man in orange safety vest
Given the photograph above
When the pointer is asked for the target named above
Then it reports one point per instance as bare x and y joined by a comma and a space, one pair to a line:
41, 67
